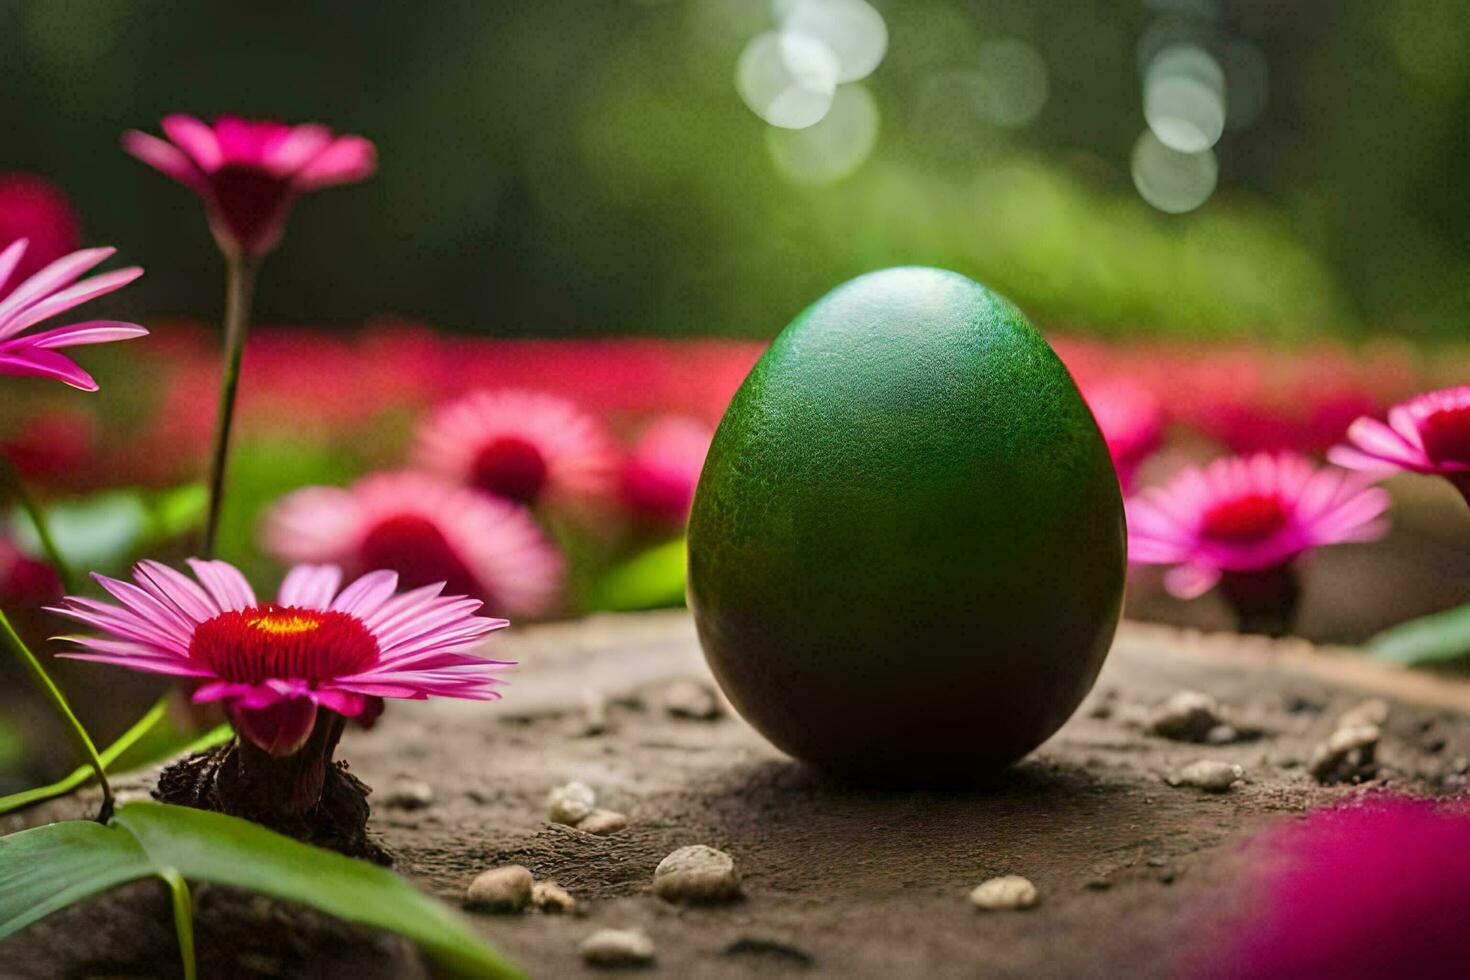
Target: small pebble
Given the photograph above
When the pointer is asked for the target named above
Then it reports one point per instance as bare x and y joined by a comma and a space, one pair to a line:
1346, 756
506, 889
617, 947
1373, 711
1210, 775
1188, 716
594, 720
689, 699
1008, 892
696, 874
570, 804
1222, 735
409, 794
602, 822
548, 896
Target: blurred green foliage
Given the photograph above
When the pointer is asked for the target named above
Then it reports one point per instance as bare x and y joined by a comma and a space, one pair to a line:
586, 166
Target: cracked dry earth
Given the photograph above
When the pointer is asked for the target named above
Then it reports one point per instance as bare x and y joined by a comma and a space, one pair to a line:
838, 881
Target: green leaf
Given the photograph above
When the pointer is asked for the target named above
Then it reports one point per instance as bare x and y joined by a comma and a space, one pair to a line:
651, 579
1442, 637
153, 738
47, 868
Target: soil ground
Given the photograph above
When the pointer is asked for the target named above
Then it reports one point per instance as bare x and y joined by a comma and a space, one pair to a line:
838, 881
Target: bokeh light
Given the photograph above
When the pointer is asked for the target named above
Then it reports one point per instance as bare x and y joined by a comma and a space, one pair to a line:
834, 147
787, 79
1171, 180
1014, 85
853, 30
1184, 98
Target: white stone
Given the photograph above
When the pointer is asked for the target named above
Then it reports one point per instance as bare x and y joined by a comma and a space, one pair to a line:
688, 699
1373, 711
617, 947
570, 804
1004, 893
409, 794
603, 822
1187, 716
505, 889
697, 874
551, 898
1210, 775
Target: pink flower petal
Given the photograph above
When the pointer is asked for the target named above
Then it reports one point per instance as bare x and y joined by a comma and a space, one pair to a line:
347, 159
224, 583
280, 728
166, 158
9, 259
29, 362
196, 139
66, 299
310, 586
91, 332
58, 275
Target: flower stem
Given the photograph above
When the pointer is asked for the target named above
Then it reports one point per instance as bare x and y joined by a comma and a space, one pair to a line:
11, 479
48, 687
240, 274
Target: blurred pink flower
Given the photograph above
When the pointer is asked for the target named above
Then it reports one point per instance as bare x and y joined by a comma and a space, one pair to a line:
1372, 890
48, 293
1131, 420
661, 473
524, 446
25, 582
1242, 521
34, 209
427, 530
274, 664
248, 172
1429, 433
54, 445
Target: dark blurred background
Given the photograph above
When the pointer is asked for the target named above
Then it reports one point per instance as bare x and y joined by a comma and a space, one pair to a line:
588, 166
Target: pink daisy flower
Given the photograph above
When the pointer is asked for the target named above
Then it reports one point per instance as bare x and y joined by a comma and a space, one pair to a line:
248, 172
35, 209
524, 446
274, 665
1429, 433
1242, 521
1131, 420
48, 293
427, 530
661, 473
1376, 890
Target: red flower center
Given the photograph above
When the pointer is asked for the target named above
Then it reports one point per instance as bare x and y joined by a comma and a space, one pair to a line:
251, 203
418, 551
1252, 516
250, 646
510, 467
1446, 435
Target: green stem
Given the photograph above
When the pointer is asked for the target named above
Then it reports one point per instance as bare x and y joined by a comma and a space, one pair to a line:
240, 274
48, 687
11, 479
183, 919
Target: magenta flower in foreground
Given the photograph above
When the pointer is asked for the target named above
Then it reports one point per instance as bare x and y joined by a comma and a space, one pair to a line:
525, 446
248, 172
51, 292
1429, 433
275, 664
1374, 890
1242, 521
427, 530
